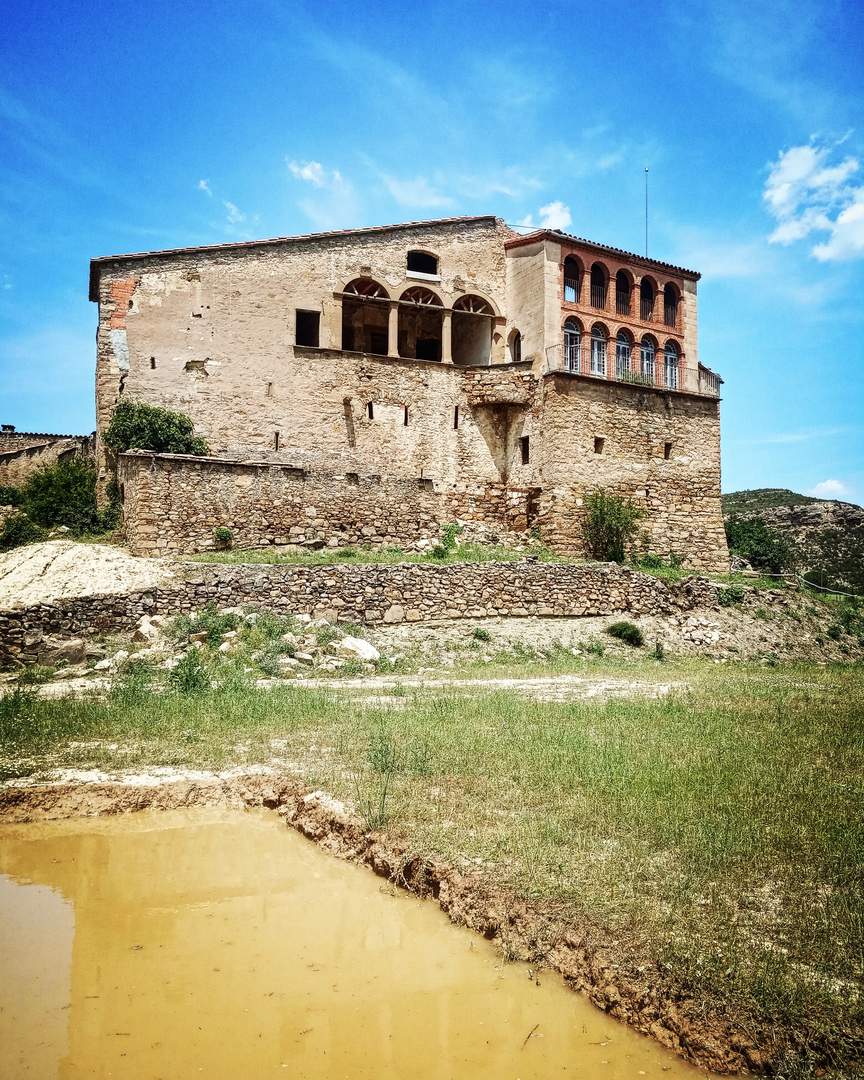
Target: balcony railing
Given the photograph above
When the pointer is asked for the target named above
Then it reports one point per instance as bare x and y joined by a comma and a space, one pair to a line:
646, 309
670, 314
660, 373
571, 290
598, 296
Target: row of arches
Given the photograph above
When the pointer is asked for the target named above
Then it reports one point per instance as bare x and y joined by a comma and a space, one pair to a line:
416, 325
627, 292
643, 362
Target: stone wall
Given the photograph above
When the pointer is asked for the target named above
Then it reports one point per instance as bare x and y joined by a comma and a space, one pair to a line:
365, 594
662, 450
172, 504
22, 453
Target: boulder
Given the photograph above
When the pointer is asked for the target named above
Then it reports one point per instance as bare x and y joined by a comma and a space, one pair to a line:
357, 649
145, 630
55, 650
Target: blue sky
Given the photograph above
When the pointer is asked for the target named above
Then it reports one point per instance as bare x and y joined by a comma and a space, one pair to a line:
129, 127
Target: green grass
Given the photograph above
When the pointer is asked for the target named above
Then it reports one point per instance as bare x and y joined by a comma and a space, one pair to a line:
366, 556
717, 832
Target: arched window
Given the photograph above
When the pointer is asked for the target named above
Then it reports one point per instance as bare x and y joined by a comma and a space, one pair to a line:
599, 339
623, 350
572, 345
670, 305
572, 279
622, 292
647, 353
421, 317
599, 285
422, 262
670, 365
472, 331
647, 292
516, 347
365, 310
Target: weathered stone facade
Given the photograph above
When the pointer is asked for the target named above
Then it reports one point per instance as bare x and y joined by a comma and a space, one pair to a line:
364, 594
466, 377
24, 452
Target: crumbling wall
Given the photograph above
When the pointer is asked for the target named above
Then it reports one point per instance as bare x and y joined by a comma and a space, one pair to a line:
23, 453
660, 450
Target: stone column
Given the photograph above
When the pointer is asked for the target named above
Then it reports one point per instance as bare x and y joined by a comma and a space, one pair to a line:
393, 329
447, 337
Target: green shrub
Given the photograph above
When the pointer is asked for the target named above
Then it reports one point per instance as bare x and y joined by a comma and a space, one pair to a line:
610, 525
210, 621
223, 536
64, 494
10, 496
447, 543
835, 631
138, 426
439, 552
191, 675
651, 561
659, 651
730, 594
753, 539
19, 530
480, 633
627, 632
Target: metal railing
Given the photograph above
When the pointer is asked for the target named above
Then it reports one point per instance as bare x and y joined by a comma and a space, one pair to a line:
598, 296
571, 290
646, 309
659, 373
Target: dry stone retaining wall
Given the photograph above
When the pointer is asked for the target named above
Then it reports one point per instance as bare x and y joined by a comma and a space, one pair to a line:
365, 594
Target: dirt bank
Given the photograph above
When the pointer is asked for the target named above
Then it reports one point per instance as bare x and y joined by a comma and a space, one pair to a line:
646, 998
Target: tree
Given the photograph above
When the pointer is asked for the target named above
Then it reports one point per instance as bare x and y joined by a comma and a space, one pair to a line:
138, 426
64, 494
754, 540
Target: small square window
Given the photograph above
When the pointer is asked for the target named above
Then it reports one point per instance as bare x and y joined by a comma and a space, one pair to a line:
667, 450
525, 447
308, 328
599, 443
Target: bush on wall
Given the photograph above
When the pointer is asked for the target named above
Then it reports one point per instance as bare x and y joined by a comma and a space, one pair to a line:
138, 426
610, 525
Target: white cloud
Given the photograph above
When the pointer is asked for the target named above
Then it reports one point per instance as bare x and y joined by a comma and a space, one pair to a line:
314, 173
233, 212
335, 203
416, 192
830, 489
807, 192
204, 185
554, 215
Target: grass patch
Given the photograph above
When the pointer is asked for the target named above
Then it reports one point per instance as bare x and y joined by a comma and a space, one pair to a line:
368, 556
716, 832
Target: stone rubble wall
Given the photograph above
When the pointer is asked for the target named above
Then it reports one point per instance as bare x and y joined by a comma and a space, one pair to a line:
364, 594
173, 503
20, 459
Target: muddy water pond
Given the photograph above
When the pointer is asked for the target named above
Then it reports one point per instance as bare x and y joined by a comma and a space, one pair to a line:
222, 944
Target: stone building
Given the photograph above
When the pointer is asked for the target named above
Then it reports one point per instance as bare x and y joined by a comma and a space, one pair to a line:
372, 383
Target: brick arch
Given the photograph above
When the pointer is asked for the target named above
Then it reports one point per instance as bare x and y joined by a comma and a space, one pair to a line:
366, 287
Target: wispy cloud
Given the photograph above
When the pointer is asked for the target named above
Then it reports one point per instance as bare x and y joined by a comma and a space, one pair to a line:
830, 489
788, 438
418, 191
204, 185
235, 216
811, 190
335, 203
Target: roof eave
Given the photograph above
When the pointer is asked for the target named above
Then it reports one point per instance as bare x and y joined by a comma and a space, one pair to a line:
630, 256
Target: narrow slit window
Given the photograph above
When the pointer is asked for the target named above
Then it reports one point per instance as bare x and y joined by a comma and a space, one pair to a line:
269, 389
455, 417
525, 448
308, 328
370, 411
275, 440
667, 450
405, 420
599, 443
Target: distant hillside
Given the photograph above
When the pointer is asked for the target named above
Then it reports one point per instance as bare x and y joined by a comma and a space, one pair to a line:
826, 536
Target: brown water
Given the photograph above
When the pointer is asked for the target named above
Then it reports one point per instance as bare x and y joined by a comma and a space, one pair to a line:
222, 944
